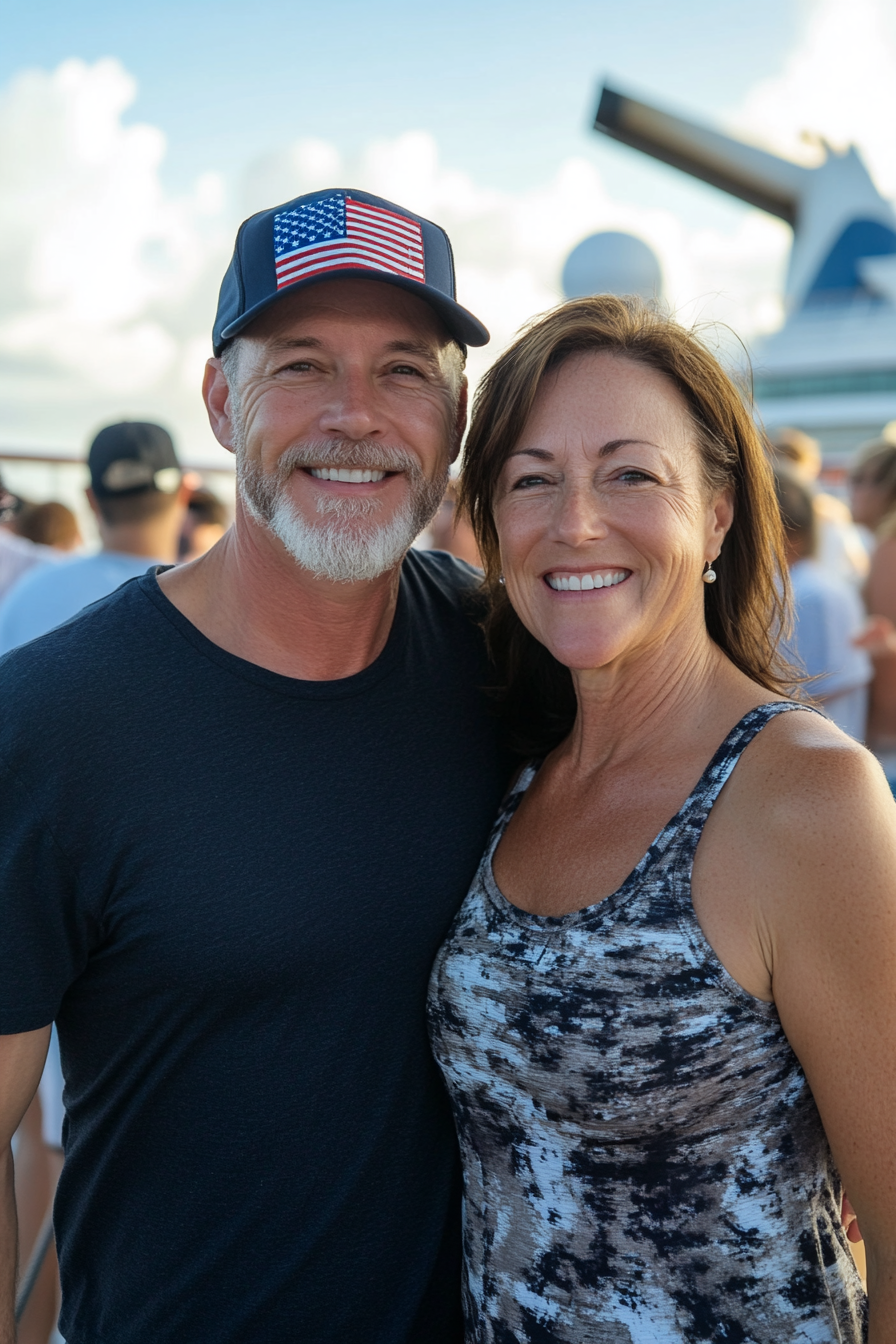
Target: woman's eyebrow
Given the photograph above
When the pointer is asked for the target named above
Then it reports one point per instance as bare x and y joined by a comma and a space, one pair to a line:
614, 444
606, 450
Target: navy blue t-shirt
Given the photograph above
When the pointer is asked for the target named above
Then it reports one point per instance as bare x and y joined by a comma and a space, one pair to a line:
228, 887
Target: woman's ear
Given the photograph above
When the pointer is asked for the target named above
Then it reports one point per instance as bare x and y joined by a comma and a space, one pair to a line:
721, 518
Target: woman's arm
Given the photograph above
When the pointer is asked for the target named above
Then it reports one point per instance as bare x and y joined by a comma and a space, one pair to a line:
830, 931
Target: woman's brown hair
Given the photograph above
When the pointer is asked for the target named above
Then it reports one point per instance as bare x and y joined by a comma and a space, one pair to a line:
746, 610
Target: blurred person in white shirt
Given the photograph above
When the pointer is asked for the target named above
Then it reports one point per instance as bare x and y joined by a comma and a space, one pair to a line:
840, 546
17, 555
828, 616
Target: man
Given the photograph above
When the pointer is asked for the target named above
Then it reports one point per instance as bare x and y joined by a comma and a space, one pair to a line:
236, 953
138, 498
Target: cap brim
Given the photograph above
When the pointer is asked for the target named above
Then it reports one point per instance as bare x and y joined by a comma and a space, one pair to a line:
461, 324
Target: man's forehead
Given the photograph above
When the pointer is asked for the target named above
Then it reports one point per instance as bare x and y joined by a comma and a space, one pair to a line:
384, 313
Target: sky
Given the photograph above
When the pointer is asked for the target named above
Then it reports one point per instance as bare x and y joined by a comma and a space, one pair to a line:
134, 139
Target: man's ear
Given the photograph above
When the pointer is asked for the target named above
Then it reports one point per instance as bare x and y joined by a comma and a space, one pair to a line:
216, 395
91, 500
460, 423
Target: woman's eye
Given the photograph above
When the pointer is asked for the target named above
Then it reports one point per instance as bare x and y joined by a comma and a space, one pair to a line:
526, 482
633, 475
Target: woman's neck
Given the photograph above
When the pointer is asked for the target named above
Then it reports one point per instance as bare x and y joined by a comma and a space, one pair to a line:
656, 699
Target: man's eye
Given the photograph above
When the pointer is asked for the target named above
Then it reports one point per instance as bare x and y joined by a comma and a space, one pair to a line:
407, 368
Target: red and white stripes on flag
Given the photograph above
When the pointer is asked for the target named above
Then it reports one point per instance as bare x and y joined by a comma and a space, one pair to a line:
374, 240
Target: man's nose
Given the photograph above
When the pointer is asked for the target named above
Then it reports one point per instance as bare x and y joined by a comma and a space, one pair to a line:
351, 409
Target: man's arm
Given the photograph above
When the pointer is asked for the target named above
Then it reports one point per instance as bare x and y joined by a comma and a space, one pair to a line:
21, 1064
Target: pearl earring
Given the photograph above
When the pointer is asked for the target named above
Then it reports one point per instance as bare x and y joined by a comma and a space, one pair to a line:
709, 574
501, 580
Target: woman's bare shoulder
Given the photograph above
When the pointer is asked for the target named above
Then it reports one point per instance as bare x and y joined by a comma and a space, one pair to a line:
810, 803
802, 765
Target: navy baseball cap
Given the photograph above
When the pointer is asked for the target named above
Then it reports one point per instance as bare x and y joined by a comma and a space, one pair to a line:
130, 457
335, 234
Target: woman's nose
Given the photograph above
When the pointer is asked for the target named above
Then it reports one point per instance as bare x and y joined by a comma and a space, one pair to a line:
580, 517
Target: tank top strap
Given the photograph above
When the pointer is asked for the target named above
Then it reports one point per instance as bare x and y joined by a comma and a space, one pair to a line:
689, 823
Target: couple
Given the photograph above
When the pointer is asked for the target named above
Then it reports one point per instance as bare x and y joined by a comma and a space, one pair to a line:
242, 801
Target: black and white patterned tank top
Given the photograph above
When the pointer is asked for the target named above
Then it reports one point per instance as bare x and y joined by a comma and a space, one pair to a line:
643, 1158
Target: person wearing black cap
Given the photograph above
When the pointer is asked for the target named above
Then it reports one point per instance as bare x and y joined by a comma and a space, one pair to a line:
236, 952
138, 499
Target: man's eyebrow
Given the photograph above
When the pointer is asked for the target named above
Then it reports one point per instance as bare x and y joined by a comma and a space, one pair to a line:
409, 346
399, 347
296, 343
606, 450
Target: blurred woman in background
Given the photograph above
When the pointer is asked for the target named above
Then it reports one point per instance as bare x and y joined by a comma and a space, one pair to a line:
49, 524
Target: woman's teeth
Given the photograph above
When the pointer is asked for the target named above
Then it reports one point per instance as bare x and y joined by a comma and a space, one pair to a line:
575, 583
351, 474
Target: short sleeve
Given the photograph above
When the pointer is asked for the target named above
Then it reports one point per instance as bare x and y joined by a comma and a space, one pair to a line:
45, 941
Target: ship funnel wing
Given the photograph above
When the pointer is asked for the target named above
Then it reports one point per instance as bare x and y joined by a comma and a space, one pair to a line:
837, 214
751, 174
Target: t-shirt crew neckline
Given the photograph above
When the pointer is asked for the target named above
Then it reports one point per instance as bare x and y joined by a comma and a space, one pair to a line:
359, 682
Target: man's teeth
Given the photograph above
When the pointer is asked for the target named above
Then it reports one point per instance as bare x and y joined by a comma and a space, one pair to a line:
575, 583
354, 475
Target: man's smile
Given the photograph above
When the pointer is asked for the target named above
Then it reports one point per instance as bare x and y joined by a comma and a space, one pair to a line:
354, 475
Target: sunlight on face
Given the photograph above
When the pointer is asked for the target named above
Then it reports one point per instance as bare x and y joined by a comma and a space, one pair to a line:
602, 514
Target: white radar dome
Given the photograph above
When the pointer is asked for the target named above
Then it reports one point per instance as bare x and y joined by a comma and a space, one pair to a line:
612, 263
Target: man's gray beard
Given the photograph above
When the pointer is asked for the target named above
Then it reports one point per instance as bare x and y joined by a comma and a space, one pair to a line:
345, 547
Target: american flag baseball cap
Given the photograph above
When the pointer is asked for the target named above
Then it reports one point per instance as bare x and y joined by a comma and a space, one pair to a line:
334, 234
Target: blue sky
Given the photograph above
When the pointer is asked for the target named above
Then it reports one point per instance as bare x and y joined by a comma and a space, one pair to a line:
507, 89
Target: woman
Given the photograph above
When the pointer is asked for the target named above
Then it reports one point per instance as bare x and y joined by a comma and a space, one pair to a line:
630, 1011
872, 486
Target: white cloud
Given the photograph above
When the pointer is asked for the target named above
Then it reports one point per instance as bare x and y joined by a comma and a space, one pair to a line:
108, 281
838, 83
100, 268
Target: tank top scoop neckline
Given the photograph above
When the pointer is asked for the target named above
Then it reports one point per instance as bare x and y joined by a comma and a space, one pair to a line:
683, 830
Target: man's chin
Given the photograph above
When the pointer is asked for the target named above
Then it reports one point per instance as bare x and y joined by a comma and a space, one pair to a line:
343, 550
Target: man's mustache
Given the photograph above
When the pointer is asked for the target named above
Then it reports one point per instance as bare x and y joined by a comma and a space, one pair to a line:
366, 454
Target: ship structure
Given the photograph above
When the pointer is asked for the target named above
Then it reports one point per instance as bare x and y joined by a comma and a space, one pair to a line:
831, 368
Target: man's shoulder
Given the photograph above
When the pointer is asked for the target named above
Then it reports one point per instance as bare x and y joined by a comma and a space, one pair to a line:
442, 577
82, 653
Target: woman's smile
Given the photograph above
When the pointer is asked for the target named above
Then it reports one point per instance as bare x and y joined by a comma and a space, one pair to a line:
570, 581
